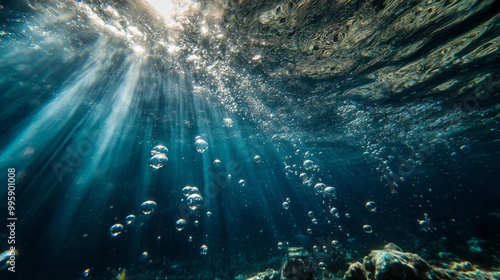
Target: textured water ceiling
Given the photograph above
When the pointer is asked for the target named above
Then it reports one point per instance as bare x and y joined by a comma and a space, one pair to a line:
399, 45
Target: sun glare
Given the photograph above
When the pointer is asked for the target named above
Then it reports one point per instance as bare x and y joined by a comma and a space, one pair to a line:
165, 8
169, 8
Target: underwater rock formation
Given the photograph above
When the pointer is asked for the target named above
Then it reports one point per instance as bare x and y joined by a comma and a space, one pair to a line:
269, 274
461, 270
389, 263
298, 264
392, 263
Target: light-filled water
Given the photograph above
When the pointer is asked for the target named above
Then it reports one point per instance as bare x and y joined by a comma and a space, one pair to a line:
196, 139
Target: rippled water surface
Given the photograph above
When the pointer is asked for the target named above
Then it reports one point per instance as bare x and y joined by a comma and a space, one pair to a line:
200, 139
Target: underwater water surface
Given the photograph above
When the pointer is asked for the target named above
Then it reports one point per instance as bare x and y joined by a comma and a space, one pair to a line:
193, 139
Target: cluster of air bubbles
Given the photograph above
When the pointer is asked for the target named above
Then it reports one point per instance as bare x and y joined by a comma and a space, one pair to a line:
313, 217
227, 122
367, 228
242, 183
257, 159
335, 244
189, 190
200, 145
180, 224
371, 206
147, 207
203, 249
130, 219
306, 180
377, 152
286, 204
217, 163
115, 230
158, 157
194, 201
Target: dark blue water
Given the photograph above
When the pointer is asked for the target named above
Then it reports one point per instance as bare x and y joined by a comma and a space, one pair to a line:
88, 89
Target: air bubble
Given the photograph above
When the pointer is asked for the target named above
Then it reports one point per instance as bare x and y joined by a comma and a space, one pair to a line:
371, 206
203, 249
334, 212
194, 201
115, 230
257, 159
189, 190
319, 188
147, 207
286, 205
158, 161
130, 219
425, 225
308, 164
159, 150
180, 224
144, 255
227, 122
330, 191
368, 228
200, 145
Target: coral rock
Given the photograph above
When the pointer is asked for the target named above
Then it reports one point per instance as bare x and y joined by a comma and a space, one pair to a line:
298, 265
389, 263
356, 271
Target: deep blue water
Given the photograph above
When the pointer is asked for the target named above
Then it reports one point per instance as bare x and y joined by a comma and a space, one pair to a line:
88, 89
